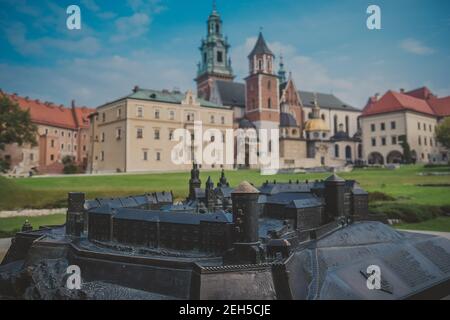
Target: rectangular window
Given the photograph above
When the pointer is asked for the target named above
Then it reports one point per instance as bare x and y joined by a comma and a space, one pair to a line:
158, 156
372, 127
62, 146
103, 137
172, 115
102, 156
31, 156
425, 141
140, 133
118, 133
219, 56
213, 120
157, 135
424, 127
393, 125
374, 142
418, 125
222, 120
140, 112
430, 127
145, 155
157, 114
119, 113
171, 134
383, 126
103, 117
52, 157
52, 143
394, 140
420, 141
383, 141
190, 117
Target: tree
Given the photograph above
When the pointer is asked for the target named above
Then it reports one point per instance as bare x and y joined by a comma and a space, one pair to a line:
70, 166
15, 125
407, 155
443, 133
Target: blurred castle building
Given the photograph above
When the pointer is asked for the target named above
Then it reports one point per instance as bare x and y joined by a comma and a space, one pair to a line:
136, 133
397, 117
315, 128
61, 132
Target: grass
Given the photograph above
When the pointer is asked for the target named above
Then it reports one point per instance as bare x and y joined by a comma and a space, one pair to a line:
395, 192
9, 226
52, 192
441, 224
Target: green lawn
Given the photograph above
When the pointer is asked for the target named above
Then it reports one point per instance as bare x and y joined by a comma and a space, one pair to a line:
52, 192
441, 224
399, 184
9, 226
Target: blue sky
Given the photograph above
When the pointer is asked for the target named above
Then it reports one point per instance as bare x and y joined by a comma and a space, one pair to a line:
154, 44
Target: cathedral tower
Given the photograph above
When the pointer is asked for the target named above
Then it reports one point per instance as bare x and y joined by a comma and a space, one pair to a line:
262, 88
215, 63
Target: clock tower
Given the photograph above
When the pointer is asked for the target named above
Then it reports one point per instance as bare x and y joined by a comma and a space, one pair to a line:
215, 63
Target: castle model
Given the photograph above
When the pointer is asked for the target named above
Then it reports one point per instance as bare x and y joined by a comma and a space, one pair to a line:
294, 240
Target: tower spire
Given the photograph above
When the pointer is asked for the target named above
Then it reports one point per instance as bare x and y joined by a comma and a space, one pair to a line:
316, 108
281, 71
214, 6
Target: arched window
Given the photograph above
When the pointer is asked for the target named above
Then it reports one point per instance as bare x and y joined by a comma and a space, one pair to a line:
269, 103
260, 64
323, 117
336, 151
217, 28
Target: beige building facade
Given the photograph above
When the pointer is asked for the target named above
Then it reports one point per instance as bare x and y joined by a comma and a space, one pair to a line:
386, 122
136, 133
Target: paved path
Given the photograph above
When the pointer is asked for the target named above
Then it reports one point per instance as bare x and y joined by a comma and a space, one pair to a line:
4, 246
31, 213
440, 234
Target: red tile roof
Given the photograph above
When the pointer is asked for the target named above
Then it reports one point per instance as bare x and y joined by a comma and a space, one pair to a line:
422, 93
421, 100
441, 106
47, 113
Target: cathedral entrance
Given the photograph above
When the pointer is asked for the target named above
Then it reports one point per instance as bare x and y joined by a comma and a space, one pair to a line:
348, 153
376, 158
394, 157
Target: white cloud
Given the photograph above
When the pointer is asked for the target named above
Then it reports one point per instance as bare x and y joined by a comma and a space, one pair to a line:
95, 81
90, 5
17, 37
311, 75
131, 27
139, 22
416, 47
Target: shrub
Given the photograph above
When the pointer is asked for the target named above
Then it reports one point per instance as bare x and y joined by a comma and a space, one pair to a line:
407, 212
70, 166
380, 196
